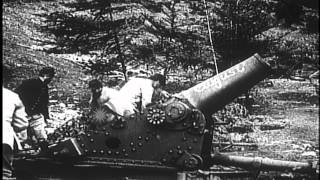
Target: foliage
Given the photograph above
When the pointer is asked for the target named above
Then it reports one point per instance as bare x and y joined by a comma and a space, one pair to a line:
235, 26
174, 35
100, 28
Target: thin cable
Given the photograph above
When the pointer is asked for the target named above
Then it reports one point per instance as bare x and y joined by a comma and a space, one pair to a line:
210, 37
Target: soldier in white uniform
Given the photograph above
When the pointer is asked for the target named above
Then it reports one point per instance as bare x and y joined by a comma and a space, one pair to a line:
133, 97
14, 120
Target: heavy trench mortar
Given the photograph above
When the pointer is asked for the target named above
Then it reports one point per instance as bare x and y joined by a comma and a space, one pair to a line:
171, 136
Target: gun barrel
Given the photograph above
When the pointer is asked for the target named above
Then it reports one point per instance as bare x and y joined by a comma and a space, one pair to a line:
217, 91
265, 164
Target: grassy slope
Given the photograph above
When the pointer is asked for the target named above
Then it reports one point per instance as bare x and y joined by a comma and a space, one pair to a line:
20, 23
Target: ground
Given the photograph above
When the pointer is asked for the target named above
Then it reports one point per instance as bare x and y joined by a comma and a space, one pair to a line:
297, 103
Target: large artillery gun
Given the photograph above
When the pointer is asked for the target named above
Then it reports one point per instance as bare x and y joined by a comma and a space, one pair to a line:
169, 137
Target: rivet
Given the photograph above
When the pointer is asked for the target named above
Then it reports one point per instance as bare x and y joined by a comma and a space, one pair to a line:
91, 140
117, 153
123, 150
109, 152
195, 140
178, 147
101, 152
180, 152
131, 144
146, 138
86, 150
82, 145
133, 149
189, 147
94, 151
78, 138
107, 133
184, 124
121, 125
104, 129
126, 154
184, 139
170, 151
88, 135
163, 160
139, 137
140, 144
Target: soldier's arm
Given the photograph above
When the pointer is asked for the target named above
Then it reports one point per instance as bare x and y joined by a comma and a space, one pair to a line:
19, 120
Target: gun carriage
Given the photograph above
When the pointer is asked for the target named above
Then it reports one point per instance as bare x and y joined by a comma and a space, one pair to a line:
167, 138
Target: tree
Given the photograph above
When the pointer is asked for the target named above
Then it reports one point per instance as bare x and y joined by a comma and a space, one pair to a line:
235, 26
177, 42
103, 29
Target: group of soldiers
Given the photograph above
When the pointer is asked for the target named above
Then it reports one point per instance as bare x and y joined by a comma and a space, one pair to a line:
26, 115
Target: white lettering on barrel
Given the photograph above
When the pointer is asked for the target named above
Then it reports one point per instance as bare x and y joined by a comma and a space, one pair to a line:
216, 81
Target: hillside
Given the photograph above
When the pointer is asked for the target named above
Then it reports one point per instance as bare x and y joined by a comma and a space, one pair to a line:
21, 35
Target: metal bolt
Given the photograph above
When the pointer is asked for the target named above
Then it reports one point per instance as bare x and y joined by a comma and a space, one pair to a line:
131, 144
101, 152
109, 152
139, 137
140, 144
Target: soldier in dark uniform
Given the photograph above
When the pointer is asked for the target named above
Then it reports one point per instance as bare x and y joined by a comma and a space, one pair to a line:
35, 97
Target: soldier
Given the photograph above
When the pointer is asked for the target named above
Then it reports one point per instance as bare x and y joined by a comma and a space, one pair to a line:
142, 92
14, 120
35, 97
133, 97
100, 95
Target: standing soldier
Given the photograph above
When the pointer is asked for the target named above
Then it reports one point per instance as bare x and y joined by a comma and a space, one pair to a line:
14, 120
35, 97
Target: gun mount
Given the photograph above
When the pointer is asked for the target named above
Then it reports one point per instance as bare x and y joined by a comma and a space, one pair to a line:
167, 137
